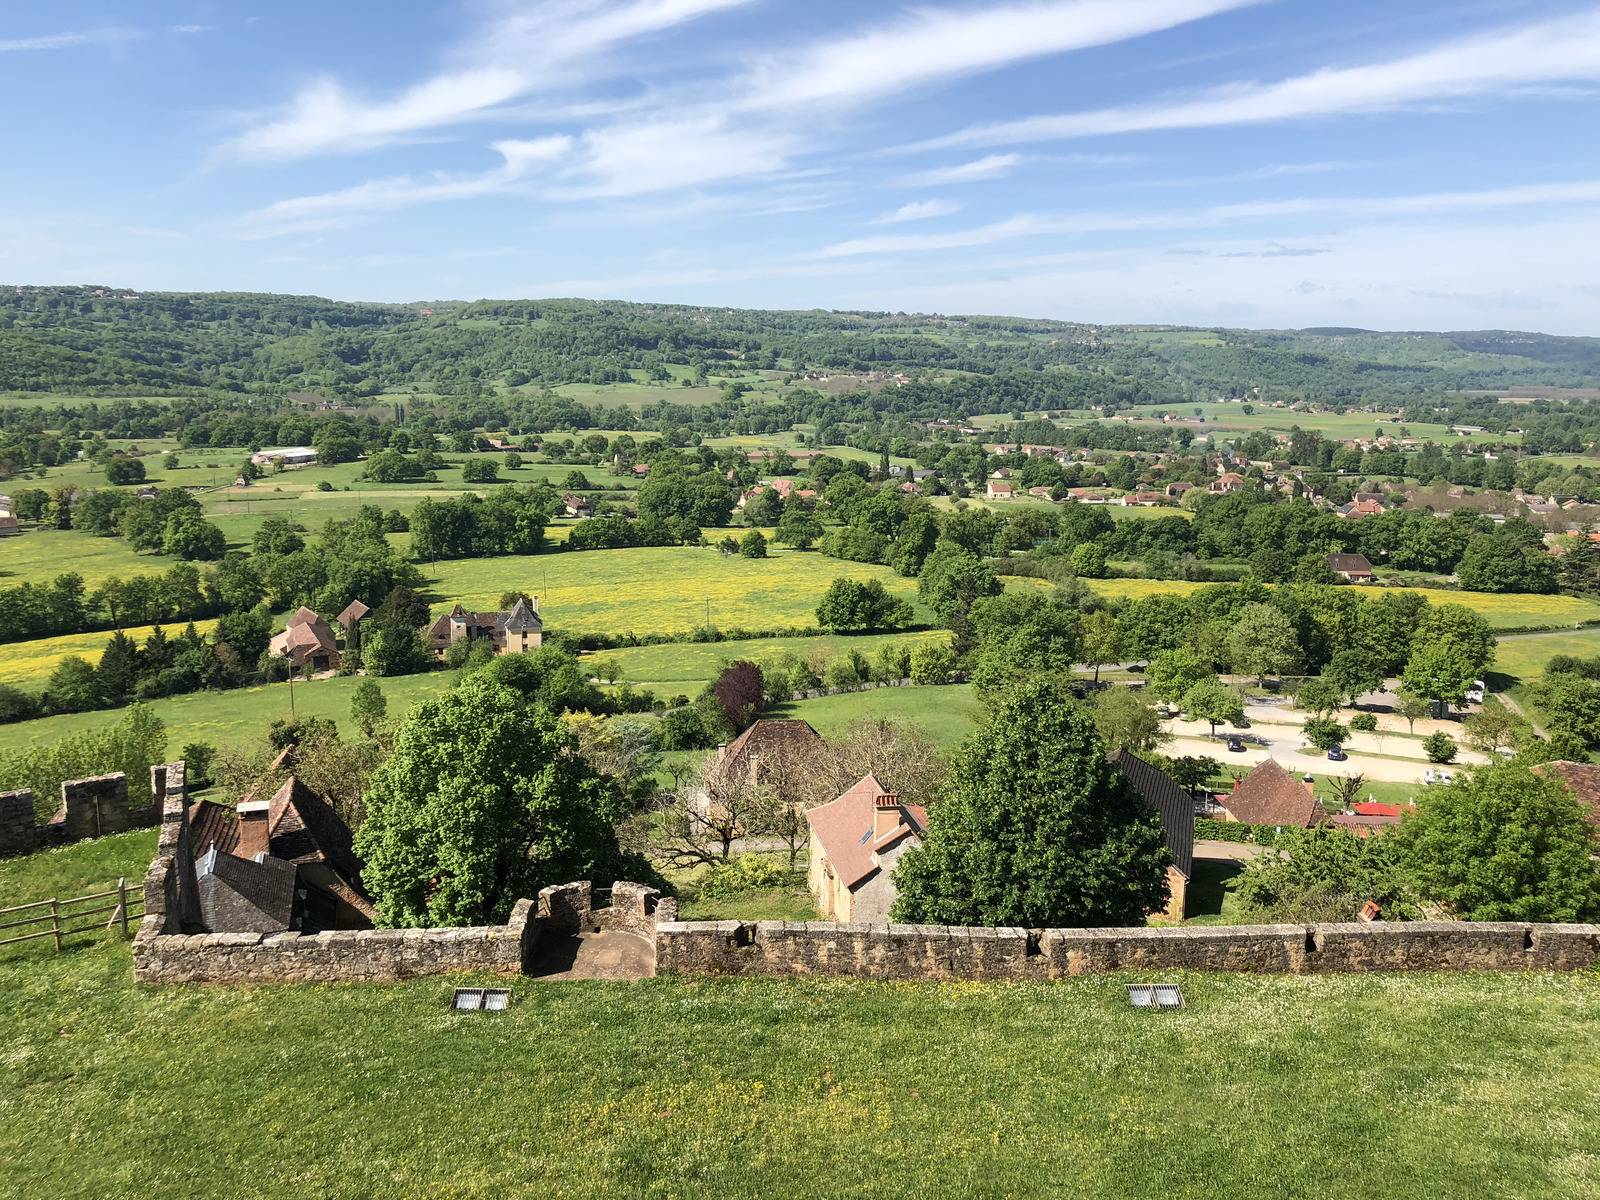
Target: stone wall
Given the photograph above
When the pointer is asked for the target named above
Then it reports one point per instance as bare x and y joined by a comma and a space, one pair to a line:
936, 952
18, 832
635, 908
345, 956
93, 807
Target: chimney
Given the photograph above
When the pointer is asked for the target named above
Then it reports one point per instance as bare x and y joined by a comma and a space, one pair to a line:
885, 814
253, 838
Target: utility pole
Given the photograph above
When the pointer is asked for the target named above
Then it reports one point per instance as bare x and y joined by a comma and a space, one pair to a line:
708, 613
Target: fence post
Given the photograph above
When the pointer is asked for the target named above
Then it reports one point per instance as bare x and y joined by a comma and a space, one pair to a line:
55, 922
122, 903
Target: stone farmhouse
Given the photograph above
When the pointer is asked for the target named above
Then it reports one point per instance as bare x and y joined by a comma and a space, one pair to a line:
503, 632
307, 642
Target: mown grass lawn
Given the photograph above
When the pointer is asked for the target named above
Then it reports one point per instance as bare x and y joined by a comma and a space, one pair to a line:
1524, 658
39, 555
1345, 1087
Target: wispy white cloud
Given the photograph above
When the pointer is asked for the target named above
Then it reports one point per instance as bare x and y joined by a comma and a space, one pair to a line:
542, 47
919, 210
64, 41
1504, 61
991, 166
1036, 225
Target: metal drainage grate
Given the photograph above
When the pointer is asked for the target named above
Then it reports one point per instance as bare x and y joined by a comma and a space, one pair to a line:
1155, 995
481, 999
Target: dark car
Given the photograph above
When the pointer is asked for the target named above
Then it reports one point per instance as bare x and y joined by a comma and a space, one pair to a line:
1336, 753
1236, 745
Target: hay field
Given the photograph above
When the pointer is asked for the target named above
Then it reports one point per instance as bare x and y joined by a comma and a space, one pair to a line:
697, 662
38, 556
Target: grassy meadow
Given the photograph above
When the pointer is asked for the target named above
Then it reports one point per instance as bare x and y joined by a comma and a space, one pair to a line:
697, 662
236, 717
946, 714
1524, 657
38, 556
1501, 611
1402, 1086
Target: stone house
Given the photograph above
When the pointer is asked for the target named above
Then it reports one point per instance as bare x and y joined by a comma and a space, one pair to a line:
353, 612
307, 642
505, 632
286, 863
856, 841
578, 506
1230, 482
1175, 807
999, 489
1269, 795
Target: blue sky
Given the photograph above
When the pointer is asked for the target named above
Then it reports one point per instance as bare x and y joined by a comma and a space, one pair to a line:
1421, 165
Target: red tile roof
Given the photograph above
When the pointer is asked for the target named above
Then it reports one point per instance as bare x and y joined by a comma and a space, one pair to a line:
1582, 780
844, 827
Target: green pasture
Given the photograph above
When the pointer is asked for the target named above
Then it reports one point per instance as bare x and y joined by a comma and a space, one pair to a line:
1404, 1086
657, 589
947, 714
698, 662
39, 555
1524, 658
240, 716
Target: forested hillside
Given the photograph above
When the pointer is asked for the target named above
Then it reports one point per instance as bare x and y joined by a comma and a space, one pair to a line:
101, 341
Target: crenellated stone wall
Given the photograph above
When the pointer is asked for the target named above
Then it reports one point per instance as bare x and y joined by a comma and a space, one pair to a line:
89, 808
19, 834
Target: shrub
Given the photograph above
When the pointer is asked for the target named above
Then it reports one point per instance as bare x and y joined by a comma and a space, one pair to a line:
124, 470
932, 664
745, 873
1364, 722
1439, 747
324, 486
753, 545
1323, 732
479, 470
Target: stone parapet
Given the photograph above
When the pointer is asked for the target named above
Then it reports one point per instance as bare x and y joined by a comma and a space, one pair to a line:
937, 952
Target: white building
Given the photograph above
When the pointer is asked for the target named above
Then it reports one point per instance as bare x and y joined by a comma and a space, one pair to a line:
289, 456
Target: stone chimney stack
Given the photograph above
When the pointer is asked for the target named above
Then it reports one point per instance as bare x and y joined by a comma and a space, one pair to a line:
253, 838
885, 815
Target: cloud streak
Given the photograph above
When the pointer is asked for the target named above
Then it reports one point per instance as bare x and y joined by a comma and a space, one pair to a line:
1033, 225
1502, 62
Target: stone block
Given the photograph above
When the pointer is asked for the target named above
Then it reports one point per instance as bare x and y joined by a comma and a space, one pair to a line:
95, 806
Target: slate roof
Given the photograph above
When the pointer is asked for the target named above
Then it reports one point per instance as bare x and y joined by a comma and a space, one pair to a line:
845, 826
1172, 804
521, 617
301, 828
1269, 795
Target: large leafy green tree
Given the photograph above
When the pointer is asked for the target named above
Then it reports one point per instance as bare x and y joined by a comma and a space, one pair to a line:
1438, 671
1505, 844
1262, 642
1033, 827
484, 801
1022, 634
856, 606
953, 577
1210, 701
1173, 672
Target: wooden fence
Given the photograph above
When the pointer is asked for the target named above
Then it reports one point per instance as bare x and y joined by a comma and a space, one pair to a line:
63, 914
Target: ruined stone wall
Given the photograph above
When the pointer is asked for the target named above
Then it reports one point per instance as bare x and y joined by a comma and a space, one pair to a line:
94, 807
18, 833
936, 952
635, 908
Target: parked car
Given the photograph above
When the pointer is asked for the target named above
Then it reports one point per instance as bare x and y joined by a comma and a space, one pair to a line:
1475, 692
1336, 753
1440, 776
1236, 745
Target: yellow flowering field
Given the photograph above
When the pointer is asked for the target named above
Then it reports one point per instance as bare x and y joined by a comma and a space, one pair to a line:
665, 589
29, 664
1501, 611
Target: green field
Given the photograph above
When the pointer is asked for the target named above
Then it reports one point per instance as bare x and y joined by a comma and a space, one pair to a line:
947, 714
696, 662
1524, 658
657, 590
1342, 1087
1501, 611
38, 556
240, 716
